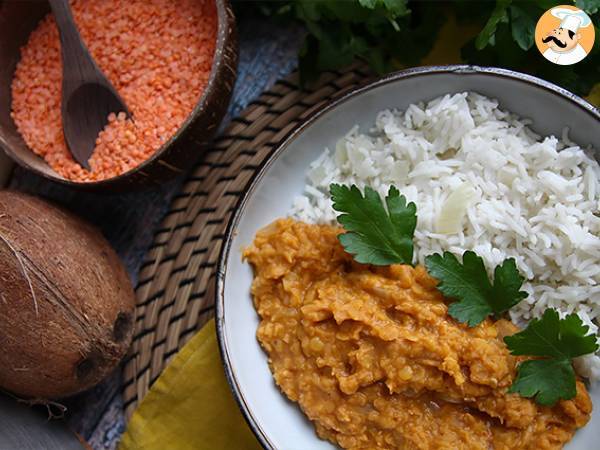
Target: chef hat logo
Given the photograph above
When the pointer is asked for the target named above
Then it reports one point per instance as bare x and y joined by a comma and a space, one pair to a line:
571, 20
564, 35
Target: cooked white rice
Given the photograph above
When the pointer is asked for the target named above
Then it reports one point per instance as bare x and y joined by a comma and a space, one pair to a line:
533, 198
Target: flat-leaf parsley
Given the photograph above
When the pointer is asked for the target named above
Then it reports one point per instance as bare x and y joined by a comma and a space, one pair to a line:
468, 283
375, 235
557, 341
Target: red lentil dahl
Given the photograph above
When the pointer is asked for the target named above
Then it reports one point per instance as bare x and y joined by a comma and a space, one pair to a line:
158, 54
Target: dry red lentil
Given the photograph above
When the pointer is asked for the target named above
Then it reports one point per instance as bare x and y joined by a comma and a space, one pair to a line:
158, 54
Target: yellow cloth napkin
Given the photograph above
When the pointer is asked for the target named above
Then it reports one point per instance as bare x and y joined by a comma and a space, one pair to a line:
190, 406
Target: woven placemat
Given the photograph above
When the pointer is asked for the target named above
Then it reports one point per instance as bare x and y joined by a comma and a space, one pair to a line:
175, 292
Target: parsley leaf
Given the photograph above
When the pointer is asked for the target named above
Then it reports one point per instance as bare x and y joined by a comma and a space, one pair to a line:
551, 336
589, 6
468, 283
558, 341
548, 380
522, 27
374, 235
488, 34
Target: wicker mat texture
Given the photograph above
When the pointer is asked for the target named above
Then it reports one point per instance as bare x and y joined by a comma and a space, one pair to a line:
175, 293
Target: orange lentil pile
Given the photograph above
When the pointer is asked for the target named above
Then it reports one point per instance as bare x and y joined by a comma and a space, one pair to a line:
158, 55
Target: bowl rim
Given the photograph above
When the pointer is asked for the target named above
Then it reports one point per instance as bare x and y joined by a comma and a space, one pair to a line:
292, 135
225, 23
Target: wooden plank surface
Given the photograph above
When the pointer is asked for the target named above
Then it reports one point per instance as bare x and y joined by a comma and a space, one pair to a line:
27, 428
267, 53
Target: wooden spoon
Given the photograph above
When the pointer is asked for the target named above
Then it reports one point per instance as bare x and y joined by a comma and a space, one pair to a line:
87, 95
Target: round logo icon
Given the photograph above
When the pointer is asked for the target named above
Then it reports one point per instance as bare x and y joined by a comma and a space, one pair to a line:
564, 35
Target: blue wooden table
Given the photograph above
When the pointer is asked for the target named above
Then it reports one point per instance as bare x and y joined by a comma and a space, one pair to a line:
267, 53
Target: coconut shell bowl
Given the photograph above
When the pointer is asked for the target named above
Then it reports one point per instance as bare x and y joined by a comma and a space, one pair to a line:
175, 156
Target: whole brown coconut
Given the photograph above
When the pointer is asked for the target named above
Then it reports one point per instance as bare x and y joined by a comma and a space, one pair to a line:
66, 303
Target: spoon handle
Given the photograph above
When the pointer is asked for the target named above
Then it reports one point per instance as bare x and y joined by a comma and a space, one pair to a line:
78, 64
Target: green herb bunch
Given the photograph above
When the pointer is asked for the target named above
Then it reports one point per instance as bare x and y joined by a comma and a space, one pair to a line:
507, 40
390, 34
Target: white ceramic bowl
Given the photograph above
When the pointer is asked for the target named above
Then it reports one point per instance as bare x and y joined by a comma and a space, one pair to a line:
277, 422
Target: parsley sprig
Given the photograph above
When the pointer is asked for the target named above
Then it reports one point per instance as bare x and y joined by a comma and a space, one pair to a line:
556, 342
469, 284
375, 235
